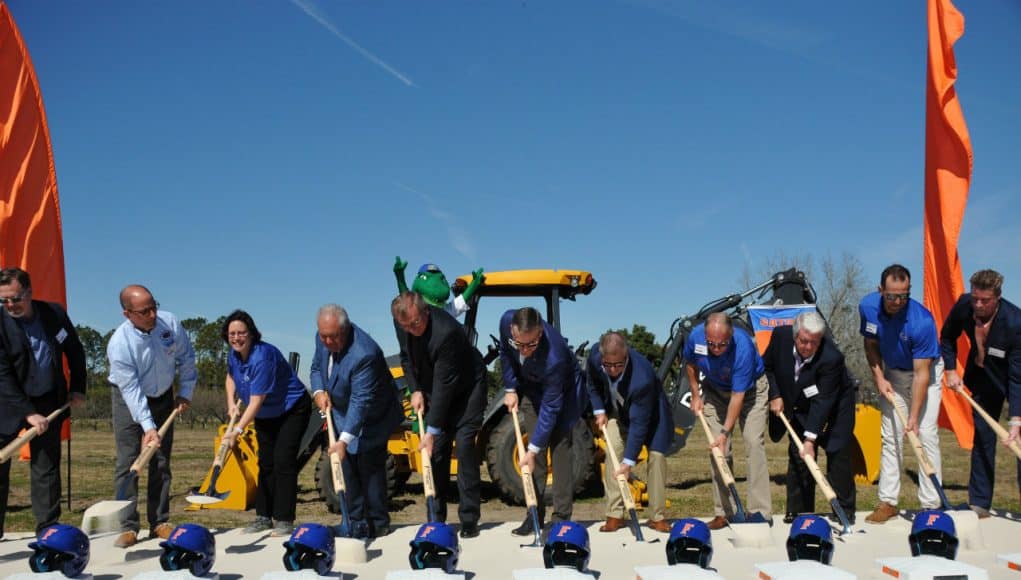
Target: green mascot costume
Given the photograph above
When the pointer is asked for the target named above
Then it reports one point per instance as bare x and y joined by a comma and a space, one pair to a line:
432, 286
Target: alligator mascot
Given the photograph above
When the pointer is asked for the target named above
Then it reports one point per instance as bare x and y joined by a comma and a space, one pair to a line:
432, 286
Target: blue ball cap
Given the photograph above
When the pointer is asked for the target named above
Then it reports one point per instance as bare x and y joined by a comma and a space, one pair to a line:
934, 520
692, 529
428, 267
812, 525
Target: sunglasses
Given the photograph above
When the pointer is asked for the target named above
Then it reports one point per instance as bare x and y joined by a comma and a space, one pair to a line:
147, 310
897, 297
14, 299
721, 344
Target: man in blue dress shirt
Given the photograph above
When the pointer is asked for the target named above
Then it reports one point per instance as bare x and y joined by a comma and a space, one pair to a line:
904, 355
146, 351
725, 363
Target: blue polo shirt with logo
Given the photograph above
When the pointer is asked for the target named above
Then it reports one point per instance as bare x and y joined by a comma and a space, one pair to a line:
266, 372
908, 335
736, 370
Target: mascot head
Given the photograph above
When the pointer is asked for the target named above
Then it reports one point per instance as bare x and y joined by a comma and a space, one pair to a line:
431, 285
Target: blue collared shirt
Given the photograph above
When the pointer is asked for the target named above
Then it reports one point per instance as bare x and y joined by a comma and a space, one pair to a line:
40, 382
736, 370
266, 372
908, 335
143, 364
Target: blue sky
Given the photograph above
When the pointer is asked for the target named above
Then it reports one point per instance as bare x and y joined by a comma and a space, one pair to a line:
276, 155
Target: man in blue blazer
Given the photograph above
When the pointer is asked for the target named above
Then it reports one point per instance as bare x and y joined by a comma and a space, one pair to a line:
350, 378
992, 372
808, 382
629, 401
540, 369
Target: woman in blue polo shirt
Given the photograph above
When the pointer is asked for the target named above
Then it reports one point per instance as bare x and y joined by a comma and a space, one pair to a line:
277, 402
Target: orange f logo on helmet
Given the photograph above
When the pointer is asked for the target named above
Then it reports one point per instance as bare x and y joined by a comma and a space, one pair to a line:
686, 528
426, 530
180, 532
807, 522
563, 530
49, 532
932, 519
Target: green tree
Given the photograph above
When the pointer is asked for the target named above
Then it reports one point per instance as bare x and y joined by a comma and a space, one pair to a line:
640, 339
210, 350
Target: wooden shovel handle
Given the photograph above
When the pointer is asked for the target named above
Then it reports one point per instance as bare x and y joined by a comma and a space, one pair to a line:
813, 467
531, 500
143, 458
625, 489
15, 446
718, 457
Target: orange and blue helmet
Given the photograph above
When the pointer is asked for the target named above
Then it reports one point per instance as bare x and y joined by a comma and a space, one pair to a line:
435, 546
567, 545
60, 548
310, 548
690, 543
933, 533
811, 538
189, 547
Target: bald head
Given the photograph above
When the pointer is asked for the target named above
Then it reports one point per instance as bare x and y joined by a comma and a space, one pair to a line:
719, 332
139, 307
132, 293
612, 343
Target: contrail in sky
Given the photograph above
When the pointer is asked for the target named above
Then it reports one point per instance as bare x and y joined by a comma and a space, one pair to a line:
457, 235
310, 9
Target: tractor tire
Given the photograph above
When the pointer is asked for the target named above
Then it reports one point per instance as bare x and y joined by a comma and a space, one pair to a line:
501, 460
324, 481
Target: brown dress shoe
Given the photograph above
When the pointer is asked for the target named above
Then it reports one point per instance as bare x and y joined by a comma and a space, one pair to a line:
659, 525
126, 540
161, 531
613, 524
717, 523
882, 513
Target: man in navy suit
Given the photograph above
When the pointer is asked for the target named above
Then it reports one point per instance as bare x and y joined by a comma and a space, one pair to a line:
993, 372
540, 369
350, 378
808, 381
447, 375
35, 339
629, 400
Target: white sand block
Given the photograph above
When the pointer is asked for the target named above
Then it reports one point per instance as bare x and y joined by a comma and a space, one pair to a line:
752, 535
349, 551
801, 570
676, 572
428, 574
45, 576
297, 575
175, 575
104, 516
929, 567
549, 574
1012, 561
968, 532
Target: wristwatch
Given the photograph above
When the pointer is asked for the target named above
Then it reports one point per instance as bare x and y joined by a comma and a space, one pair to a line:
725, 432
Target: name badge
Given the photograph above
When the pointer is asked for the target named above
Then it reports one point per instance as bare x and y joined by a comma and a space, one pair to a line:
997, 352
811, 391
62, 335
701, 349
871, 328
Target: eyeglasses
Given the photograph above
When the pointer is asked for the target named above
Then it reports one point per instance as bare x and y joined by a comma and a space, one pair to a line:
145, 311
237, 334
614, 365
517, 344
897, 297
721, 344
14, 299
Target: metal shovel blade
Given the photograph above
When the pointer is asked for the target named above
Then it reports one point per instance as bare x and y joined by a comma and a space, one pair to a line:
533, 513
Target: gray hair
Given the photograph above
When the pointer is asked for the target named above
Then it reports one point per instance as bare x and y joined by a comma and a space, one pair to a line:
403, 302
612, 341
334, 311
812, 322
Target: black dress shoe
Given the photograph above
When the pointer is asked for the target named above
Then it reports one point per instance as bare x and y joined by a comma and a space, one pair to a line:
788, 518
469, 531
525, 529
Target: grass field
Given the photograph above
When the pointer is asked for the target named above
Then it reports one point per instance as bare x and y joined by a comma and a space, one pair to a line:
689, 490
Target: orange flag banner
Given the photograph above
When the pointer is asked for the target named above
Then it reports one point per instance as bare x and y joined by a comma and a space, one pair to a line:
30, 232
948, 165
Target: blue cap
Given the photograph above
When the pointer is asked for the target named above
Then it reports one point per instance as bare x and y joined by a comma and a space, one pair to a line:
934, 520
428, 267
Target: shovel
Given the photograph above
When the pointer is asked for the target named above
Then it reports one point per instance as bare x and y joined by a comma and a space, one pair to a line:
531, 502
728, 479
625, 489
12, 448
813, 467
993, 424
428, 484
921, 455
338, 480
106, 515
211, 496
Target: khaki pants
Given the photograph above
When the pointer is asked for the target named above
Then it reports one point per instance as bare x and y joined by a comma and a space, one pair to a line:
891, 463
655, 479
752, 421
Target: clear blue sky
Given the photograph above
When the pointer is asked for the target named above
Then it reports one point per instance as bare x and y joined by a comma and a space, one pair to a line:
277, 155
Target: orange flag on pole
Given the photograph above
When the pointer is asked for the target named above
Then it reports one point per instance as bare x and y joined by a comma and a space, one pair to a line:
948, 164
30, 231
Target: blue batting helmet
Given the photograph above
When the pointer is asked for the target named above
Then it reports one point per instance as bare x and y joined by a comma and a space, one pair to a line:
189, 547
811, 539
60, 548
566, 545
310, 548
434, 546
690, 543
933, 533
